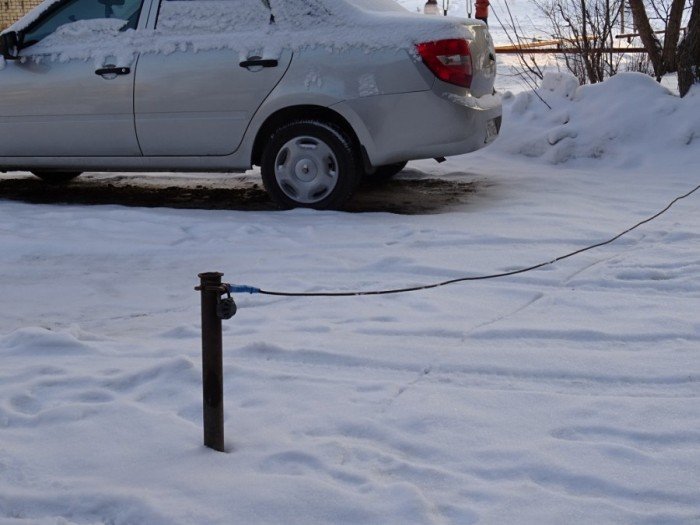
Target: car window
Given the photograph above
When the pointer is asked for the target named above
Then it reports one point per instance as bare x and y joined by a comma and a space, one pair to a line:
78, 10
212, 16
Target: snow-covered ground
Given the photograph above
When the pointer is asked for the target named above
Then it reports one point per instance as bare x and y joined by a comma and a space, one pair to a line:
566, 395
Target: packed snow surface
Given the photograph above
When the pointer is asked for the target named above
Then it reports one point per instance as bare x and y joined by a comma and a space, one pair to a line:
565, 395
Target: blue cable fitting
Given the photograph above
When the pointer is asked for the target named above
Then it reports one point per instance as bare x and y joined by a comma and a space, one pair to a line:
239, 288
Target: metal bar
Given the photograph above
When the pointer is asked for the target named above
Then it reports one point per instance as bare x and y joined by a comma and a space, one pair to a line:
212, 362
555, 51
633, 35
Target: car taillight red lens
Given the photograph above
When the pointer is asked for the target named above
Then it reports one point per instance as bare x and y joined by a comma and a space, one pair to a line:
449, 60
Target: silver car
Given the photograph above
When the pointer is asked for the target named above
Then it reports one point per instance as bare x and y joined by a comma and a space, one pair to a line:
318, 93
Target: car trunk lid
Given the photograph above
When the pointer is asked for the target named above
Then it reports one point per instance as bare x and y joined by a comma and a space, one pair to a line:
483, 59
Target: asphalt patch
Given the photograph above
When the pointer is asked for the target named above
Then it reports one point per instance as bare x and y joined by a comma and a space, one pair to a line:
408, 194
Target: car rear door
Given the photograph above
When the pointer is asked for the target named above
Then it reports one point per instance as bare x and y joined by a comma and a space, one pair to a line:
205, 76
63, 98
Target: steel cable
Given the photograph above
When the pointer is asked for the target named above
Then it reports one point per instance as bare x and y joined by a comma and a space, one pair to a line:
249, 289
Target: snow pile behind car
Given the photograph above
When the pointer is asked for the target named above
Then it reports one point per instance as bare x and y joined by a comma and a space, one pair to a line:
626, 120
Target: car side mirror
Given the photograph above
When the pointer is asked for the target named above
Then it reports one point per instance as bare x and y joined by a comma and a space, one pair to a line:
9, 45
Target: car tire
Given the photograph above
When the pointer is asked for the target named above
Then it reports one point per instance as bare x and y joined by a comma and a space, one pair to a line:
310, 164
386, 173
57, 177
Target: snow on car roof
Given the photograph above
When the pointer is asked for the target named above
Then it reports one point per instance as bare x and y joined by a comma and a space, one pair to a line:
245, 25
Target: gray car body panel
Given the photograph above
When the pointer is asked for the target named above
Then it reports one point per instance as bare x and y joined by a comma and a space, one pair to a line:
394, 104
213, 121
419, 125
96, 115
53, 107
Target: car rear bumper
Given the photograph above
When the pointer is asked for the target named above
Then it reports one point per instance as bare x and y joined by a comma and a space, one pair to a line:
421, 125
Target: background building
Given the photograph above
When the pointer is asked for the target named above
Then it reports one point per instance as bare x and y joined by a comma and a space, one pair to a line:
11, 10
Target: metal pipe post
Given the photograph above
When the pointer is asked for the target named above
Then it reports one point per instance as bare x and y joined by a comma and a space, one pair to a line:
212, 361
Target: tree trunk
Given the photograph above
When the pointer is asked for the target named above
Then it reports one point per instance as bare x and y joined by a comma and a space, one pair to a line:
649, 40
584, 45
673, 30
689, 53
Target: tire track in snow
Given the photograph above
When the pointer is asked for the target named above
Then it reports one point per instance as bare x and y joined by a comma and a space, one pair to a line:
635, 439
499, 318
559, 382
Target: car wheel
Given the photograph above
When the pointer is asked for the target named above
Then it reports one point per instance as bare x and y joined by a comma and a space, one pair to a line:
56, 177
386, 172
310, 164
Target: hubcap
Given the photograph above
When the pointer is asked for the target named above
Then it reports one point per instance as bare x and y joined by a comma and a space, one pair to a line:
306, 169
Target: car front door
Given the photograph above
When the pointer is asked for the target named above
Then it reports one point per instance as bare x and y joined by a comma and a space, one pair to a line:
194, 95
71, 91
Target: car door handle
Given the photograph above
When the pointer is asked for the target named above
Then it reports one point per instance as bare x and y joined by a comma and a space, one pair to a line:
259, 62
113, 70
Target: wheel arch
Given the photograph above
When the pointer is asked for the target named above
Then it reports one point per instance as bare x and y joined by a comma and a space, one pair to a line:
303, 112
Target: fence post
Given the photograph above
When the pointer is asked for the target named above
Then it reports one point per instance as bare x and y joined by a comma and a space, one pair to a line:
212, 361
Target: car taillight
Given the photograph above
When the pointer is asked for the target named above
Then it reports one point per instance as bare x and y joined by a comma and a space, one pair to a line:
449, 60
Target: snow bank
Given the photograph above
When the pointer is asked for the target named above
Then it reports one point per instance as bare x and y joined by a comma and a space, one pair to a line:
625, 120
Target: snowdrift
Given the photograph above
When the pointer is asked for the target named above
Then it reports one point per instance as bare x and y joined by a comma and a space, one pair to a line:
626, 120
